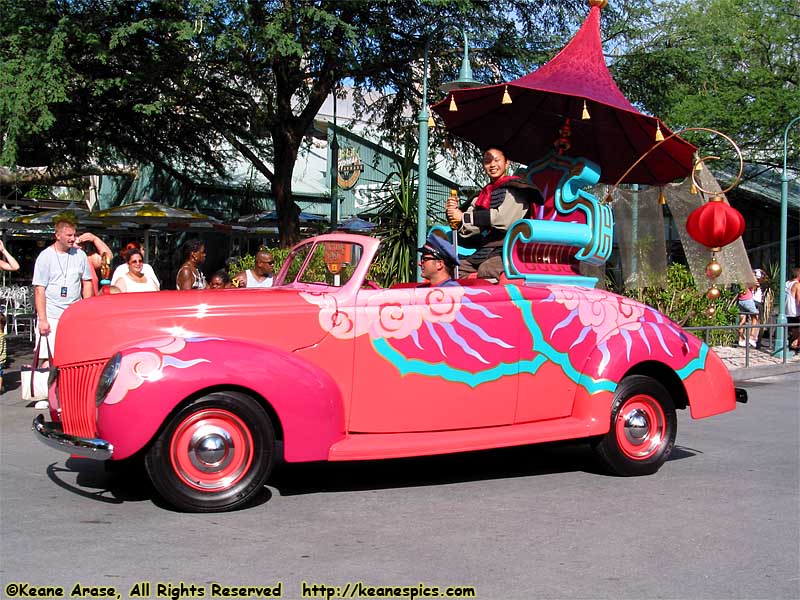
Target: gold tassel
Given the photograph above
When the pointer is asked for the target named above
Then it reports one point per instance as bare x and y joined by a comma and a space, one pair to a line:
431, 122
693, 189
506, 96
453, 107
659, 135
662, 199
585, 114
698, 166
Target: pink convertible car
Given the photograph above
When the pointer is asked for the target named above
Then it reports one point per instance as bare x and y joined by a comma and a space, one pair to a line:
203, 385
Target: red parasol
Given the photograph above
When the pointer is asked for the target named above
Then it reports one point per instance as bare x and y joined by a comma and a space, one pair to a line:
614, 136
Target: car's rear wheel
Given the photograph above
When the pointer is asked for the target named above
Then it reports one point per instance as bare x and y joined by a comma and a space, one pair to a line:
643, 428
214, 454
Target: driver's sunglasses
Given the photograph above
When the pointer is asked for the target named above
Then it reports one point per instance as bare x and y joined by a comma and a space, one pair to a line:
428, 257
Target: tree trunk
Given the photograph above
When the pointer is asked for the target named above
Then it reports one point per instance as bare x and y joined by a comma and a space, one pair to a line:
288, 212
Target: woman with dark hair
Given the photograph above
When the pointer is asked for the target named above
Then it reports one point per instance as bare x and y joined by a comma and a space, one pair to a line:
190, 277
483, 225
135, 280
148, 271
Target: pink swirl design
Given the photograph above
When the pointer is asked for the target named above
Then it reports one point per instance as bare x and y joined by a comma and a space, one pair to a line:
134, 369
605, 314
389, 313
165, 345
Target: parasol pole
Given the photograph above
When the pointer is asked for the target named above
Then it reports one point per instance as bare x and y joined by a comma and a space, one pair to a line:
452, 201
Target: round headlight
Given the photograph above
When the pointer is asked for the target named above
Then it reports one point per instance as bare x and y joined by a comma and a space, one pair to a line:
107, 378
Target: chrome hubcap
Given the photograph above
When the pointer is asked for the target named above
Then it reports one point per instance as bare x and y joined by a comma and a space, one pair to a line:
641, 427
636, 426
210, 449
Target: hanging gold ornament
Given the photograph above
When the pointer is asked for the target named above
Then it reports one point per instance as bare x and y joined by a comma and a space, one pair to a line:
693, 189
431, 122
585, 114
713, 269
506, 96
659, 135
453, 107
662, 199
713, 293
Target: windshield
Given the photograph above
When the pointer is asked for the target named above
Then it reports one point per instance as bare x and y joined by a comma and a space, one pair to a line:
329, 263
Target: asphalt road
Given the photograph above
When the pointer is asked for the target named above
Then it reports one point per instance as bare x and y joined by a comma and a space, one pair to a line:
720, 520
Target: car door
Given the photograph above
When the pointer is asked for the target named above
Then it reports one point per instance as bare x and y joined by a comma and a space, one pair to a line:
432, 359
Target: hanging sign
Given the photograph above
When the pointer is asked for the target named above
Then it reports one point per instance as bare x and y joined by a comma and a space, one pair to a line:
349, 168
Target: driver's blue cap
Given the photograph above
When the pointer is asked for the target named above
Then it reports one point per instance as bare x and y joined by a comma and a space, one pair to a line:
439, 248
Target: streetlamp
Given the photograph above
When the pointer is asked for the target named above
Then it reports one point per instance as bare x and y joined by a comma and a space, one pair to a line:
464, 81
779, 341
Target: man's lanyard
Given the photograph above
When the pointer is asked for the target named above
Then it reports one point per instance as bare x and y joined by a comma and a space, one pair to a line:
64, 271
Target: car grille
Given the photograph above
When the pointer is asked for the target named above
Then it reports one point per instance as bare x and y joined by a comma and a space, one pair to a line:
76, 387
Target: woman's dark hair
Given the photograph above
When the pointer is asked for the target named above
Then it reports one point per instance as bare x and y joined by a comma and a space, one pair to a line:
191, 246
131, 253
495, 147
89, 248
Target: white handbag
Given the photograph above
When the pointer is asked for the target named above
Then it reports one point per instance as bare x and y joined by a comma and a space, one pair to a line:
34, 380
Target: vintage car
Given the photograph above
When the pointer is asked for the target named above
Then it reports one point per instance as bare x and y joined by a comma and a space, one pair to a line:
203, 385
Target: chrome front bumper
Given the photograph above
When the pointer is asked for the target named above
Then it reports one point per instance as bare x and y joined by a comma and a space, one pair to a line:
52, 435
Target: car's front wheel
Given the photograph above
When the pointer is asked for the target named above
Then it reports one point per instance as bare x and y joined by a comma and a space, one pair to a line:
643, 428
214, 454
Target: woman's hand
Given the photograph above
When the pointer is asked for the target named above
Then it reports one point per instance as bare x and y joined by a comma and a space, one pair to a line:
454, 214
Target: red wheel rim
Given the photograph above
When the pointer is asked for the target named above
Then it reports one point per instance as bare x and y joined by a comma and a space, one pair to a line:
641, 427
211, 450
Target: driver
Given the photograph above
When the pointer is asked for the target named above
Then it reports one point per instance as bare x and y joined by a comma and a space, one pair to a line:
437, 262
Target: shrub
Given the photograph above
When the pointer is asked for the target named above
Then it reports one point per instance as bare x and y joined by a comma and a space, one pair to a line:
682, 303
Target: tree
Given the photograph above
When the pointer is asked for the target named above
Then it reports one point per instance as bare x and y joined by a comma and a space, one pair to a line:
100, 83
728, 65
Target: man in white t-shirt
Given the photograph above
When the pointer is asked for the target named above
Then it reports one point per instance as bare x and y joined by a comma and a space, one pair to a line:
262, 273
61, 277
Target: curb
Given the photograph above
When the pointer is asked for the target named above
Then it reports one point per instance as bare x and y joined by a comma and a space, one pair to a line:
749, 373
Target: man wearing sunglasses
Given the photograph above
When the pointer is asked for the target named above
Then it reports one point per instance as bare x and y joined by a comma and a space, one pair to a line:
262, 273
437, 262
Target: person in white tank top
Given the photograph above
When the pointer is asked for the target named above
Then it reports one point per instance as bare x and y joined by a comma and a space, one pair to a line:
792, 308
135, 280
262, 273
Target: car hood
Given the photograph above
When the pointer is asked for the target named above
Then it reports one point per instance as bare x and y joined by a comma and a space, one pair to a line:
96, 328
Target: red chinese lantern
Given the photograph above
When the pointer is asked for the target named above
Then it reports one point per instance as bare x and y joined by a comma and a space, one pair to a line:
715, 224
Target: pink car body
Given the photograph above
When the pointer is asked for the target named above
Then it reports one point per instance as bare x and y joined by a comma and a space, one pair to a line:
203, 384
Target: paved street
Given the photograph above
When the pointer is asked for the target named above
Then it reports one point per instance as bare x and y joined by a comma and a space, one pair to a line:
720, 520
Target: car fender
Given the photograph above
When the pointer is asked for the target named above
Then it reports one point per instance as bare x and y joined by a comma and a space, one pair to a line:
688, 368
156, 376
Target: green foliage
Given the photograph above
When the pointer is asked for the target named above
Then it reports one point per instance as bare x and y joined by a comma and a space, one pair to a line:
725, 64
316, 270
186, 85
682, 303
398, 230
